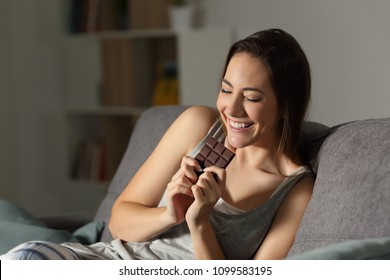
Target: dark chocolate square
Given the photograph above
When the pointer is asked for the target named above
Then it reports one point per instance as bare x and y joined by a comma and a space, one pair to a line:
214, 153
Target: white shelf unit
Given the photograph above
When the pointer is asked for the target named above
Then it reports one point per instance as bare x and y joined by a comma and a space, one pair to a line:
199, 55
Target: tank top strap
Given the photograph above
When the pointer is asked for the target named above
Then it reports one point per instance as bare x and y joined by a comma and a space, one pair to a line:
300, 173
216, 131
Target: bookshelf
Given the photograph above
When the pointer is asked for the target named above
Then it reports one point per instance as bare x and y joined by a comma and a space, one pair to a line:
110, 78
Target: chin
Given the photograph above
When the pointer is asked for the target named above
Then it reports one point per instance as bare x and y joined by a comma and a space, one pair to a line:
236, 143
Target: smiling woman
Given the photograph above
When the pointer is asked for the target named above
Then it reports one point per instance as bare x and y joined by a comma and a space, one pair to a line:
284, 71
249, 210
248, 104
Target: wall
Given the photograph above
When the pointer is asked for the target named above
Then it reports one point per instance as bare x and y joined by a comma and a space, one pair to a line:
7, 148
347, 43
32, 96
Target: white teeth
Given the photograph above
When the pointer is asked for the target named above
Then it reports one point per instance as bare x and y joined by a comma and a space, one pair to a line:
238, 124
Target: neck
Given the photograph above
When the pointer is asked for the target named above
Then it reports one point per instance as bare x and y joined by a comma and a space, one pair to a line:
257, 158
263, 159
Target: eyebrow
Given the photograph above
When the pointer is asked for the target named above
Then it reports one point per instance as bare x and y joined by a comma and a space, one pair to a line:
245, 89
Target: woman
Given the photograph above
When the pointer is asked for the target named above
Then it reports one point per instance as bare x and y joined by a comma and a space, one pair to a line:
252, 208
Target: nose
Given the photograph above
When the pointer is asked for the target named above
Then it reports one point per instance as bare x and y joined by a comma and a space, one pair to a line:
234, 106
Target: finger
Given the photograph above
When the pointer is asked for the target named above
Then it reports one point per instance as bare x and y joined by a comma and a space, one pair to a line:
185, 190
176, 188
190, 173
177, 175
215, 185
182, 181
186, 172
220, 173
198, 193
189, 166
210, 188
189, 161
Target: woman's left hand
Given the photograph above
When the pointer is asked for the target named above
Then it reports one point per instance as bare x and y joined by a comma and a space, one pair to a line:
207, 190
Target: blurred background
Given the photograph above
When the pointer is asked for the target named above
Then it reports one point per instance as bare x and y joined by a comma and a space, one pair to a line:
76, 74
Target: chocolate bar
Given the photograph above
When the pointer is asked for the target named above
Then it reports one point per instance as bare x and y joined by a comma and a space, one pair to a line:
214, 153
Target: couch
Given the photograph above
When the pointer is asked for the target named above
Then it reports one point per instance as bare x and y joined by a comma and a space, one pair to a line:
348, 216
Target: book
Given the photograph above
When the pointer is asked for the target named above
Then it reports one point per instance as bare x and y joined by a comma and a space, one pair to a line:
89, 161
118, 83
92, 15
148, 14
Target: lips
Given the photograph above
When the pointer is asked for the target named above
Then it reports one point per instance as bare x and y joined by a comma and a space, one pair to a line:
239, 125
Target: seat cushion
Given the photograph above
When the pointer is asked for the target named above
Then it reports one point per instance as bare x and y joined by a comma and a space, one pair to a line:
17, 225
351, 197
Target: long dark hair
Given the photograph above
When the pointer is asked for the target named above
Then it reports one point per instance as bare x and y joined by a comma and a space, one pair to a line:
289, 74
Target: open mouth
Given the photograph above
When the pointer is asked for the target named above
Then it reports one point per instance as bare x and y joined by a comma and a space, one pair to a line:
239, 125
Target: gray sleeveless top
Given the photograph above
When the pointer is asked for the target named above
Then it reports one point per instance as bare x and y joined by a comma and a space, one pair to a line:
239, 234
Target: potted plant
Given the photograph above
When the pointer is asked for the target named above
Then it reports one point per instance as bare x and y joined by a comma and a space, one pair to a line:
180, 15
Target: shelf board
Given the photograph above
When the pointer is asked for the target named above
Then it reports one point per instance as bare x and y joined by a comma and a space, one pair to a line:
106, 111
124, 34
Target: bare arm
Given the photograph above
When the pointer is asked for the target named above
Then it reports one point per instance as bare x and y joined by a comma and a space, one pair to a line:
135, 215
281, 235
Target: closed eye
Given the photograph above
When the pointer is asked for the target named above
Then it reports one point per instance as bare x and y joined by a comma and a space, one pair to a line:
253, 94
253, 99
225, 91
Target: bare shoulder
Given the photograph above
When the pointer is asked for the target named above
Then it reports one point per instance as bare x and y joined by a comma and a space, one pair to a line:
303, 189
194, 123
294, 206
201, 116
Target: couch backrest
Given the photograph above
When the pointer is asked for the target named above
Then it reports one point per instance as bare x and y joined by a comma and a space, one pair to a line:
351, 197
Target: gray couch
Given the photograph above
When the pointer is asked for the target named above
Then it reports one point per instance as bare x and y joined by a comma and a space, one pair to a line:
348, 216
349, 213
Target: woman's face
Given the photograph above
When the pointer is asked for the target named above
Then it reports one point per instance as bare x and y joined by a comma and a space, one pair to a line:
247, 103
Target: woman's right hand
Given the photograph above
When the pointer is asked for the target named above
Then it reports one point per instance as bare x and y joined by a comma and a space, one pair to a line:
179, 194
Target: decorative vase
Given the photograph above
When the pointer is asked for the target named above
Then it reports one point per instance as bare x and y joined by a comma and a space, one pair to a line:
181, 17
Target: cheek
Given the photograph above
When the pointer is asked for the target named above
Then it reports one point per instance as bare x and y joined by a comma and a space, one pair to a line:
261, 114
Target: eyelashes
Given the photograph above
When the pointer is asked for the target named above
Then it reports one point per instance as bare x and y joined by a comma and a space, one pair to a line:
225, 91
254, 100
250, 99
